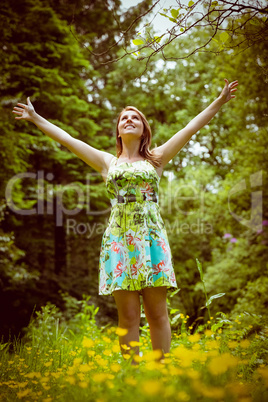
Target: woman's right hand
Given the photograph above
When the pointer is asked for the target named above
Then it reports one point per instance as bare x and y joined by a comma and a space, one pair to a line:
26, 112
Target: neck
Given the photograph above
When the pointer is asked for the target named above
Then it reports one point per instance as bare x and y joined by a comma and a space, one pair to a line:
131, 149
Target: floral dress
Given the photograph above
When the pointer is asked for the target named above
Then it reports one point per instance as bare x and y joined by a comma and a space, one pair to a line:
135, 251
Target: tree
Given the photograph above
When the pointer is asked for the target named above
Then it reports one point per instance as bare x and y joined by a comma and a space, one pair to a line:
231, 25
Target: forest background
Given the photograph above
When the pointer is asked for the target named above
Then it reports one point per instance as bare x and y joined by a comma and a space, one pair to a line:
54, 208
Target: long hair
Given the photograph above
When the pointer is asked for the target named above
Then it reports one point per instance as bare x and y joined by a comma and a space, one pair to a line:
146, 139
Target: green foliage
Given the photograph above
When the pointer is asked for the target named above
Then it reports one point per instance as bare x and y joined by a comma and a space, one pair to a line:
226, 363
208, 300
46, 61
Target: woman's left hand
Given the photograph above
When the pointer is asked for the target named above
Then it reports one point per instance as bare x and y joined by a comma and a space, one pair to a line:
226, 93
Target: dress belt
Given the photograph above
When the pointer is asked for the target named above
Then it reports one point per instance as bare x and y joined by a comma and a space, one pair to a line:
132, 198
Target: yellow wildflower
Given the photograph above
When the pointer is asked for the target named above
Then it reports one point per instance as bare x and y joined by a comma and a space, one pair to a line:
131, 381
126, 356
33, 374
134, 343
220, 364
56, 375
22, 394
116, 348
84, 368
175, 371
194, 338
193, 374
232, 344
121, 331
99, 377
245, 343
77, 361
151, 387
71, 370
23, 384
153, 355
115, 367
107, 352
126, 347
263, 371
71, 380
137, 358
101, 362
83, 384
208, 332
87, 342
106, 339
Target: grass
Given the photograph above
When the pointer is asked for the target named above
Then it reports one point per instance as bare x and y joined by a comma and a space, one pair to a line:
75, 360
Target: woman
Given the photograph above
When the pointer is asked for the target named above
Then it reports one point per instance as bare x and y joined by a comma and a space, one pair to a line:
135, 256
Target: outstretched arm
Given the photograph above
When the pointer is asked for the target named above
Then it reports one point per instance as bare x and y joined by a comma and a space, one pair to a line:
175, 143
98, 160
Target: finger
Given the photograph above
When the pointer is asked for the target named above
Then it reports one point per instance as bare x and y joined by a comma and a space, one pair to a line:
22, 105
226, 81
234, 83
28, 101
19, 109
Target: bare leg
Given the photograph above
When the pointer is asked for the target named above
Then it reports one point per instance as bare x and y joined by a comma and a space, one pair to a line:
155, 308
128, 306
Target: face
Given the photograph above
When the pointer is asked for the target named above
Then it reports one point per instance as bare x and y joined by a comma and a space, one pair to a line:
130, 123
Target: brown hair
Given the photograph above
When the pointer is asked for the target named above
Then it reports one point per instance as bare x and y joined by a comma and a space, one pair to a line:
146, 139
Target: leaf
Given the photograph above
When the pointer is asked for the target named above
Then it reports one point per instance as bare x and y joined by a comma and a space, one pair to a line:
191, 3
199, 266
172, 19
214, 3
157, 39
224, 36
164, 15
138, 42
175, 319
174, 310
172, 294
133, 260
214, 297
175, 13
214, 327
255, 22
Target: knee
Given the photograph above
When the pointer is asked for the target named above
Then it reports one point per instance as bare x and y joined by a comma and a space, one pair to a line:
159, 318
129, 317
